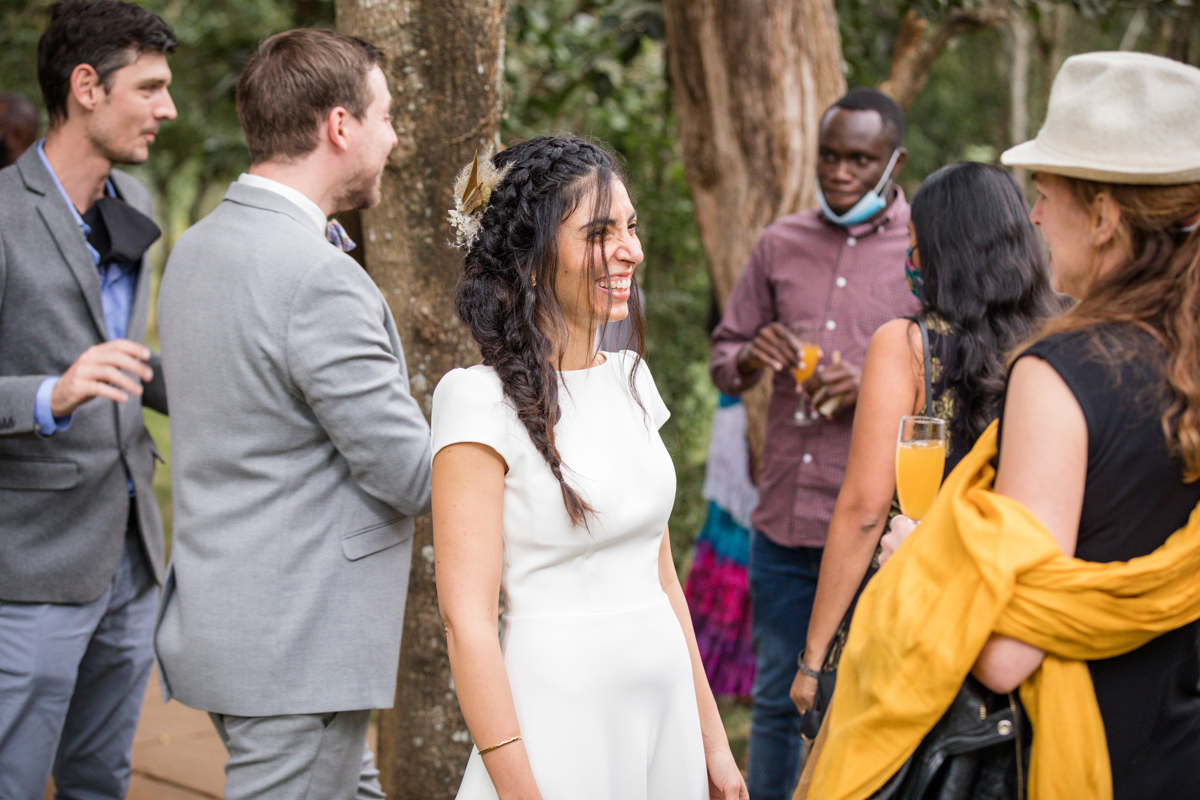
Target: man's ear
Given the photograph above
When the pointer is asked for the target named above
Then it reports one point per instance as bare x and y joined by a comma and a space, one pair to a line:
1106, 221
86, 87
336, 128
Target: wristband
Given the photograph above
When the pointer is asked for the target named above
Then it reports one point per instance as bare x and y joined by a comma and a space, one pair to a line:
805, 669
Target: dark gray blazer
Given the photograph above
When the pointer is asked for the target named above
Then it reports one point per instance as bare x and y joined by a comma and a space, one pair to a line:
298, 459
64, 501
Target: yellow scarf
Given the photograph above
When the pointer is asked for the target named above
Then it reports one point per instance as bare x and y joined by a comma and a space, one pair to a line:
980, 562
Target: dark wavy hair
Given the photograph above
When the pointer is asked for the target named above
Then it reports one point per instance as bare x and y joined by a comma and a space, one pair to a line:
507, 295
107, 34
985, 274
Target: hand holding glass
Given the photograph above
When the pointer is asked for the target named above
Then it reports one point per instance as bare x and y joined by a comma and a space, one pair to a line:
920, 462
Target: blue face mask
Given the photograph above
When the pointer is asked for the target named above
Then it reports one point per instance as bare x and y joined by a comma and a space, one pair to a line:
916, 281
871, 203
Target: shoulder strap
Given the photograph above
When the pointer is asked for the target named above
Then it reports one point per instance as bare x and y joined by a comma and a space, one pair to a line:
928, 367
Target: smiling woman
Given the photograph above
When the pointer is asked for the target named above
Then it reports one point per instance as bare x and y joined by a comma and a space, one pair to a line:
551, 484
598, 254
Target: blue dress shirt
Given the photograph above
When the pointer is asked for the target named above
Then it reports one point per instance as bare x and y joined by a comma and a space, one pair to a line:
117, 285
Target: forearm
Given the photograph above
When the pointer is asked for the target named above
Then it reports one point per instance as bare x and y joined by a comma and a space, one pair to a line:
1005, 663
484, 694
724, 368
750, 307
711, 727
849, 547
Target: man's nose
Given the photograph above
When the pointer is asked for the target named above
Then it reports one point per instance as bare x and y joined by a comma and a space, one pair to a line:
841, 170
166, 109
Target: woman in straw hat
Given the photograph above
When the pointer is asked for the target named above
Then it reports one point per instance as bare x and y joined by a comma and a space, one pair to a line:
1068, 569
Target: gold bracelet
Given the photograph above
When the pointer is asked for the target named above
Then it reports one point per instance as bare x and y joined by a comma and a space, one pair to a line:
516, 738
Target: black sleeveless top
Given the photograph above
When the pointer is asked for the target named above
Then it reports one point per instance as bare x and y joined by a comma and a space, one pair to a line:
1134, 498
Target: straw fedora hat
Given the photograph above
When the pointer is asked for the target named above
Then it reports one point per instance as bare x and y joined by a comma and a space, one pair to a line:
1119, 118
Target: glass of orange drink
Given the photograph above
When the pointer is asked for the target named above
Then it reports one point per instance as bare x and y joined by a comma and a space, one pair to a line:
810, 356
920, 462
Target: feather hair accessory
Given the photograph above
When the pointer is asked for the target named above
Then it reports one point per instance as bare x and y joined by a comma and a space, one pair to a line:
472, 191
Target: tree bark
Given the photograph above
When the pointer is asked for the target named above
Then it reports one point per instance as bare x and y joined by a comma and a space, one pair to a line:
750, 80
446, 77
1054, 19
1019, 35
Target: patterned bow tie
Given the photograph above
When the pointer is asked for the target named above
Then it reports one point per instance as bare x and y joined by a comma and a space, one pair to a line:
335, 233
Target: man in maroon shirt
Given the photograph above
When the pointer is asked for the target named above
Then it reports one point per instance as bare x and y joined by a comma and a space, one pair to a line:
834, 275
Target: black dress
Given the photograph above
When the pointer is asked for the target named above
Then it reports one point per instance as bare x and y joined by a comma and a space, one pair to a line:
1133, 500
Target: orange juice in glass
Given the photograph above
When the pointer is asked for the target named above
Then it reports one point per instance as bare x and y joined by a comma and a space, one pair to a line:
920, 462
810, 355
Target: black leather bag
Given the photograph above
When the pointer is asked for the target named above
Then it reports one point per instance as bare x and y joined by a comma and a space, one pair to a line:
978, 750
810, 720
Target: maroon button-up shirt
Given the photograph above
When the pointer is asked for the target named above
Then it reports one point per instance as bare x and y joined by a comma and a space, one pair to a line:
842, 284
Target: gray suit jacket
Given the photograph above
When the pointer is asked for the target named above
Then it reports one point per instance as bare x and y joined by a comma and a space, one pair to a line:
64, 500
298, 459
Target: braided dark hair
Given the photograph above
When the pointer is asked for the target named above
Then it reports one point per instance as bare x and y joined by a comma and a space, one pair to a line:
507, 294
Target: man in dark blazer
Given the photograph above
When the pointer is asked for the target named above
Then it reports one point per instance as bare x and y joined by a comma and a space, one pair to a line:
298, 455
81, 541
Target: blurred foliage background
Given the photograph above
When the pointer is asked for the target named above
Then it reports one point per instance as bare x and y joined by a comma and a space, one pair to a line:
596, 67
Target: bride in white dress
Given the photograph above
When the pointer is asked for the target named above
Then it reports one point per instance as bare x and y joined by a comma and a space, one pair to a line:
551, 484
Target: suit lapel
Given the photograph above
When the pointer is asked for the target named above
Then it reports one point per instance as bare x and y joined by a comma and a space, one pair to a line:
66, 234
140, 311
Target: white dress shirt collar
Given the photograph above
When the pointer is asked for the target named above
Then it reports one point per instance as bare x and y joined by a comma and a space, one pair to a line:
306, 205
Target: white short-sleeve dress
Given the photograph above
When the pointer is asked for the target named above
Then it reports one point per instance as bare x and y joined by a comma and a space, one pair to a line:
596, 658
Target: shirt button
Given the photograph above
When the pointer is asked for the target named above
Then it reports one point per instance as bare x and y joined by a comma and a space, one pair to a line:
841, 283
830, 325
852, 241
807, 458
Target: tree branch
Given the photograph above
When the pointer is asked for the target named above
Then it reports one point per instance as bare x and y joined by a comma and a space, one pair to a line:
914, 53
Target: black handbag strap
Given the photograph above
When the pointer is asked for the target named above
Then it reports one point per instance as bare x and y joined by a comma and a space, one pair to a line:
928, 367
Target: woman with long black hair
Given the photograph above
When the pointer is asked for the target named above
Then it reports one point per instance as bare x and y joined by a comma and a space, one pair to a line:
551, 484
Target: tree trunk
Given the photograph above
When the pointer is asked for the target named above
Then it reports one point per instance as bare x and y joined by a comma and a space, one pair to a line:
750, 80
1019, 35
1054, 19
446, 77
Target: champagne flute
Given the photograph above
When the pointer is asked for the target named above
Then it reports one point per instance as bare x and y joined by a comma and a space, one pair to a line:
920, 462
810, 355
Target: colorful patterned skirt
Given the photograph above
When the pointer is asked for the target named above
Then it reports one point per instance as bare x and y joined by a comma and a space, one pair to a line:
716, 589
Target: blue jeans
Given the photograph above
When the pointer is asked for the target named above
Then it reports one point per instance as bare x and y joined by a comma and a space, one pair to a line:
783, 581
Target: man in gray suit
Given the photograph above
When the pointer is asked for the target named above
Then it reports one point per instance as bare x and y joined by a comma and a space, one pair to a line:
81, 541
298, 456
